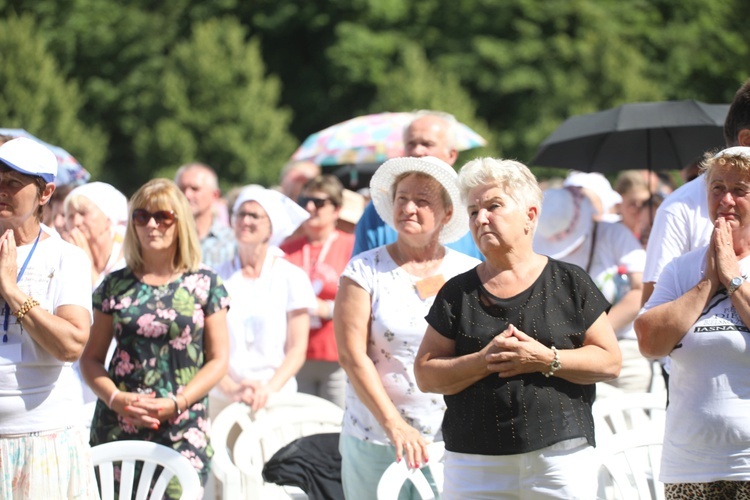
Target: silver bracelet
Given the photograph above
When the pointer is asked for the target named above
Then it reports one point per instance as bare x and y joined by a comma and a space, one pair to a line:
176, 404
555, 364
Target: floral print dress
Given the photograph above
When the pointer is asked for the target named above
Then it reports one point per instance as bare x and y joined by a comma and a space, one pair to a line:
159, 335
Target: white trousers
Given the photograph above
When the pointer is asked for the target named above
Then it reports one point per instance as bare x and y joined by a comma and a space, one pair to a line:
564, 470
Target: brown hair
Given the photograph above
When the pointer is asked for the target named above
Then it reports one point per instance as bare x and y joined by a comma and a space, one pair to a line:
328, 184
738, 116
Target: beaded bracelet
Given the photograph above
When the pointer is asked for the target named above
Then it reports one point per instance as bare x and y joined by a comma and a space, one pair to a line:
25, 308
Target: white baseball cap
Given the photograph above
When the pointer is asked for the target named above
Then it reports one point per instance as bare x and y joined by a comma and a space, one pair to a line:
28, 157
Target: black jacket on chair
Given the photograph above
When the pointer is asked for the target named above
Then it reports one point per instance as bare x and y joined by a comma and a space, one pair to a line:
312, 463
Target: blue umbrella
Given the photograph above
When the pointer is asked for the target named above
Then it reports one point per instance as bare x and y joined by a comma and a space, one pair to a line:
69, 171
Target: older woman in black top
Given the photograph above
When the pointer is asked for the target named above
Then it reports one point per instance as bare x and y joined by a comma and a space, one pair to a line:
516, 346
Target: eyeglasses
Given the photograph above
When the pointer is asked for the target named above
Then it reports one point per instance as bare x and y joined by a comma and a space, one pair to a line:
318, 202
142, 217
252, 215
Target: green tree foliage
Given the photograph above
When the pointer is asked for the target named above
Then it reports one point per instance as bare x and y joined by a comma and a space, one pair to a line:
511, 69
34, 94
416, 84
216, 104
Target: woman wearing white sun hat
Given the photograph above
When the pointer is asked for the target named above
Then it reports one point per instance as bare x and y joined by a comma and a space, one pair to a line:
379, 319
607, 251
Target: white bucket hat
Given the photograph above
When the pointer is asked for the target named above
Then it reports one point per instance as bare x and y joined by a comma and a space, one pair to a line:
381, 186
565, 221
285, 215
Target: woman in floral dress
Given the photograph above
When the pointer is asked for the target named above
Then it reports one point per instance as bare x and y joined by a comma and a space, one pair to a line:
168, 317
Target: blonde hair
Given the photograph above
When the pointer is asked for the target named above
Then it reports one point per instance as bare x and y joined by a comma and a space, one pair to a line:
163, 194
737, 158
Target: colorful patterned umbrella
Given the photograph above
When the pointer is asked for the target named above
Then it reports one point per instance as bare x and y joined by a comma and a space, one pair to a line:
69, 171
369, 139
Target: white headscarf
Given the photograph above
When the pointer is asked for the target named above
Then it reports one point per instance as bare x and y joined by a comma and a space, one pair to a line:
107, 198
284, 213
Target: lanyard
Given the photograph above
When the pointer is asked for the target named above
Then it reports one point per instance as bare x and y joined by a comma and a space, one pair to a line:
6, 309
306, 264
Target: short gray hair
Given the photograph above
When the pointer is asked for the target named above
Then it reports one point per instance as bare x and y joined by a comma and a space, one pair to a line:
210, 173
513, 176
451, 131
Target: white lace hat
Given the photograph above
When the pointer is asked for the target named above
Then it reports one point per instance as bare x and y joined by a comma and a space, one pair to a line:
381, 191
566, 219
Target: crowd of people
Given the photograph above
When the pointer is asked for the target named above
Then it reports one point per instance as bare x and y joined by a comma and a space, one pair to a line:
472, 305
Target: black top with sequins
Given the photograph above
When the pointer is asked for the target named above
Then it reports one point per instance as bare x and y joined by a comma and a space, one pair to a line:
507, 416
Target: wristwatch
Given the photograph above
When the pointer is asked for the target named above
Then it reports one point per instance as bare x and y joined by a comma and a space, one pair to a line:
555, 364
735, 284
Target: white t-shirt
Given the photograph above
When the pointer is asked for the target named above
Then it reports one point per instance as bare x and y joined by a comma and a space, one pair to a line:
38, 392
615, 246
707, 435
681, 224
396, 331
257, 320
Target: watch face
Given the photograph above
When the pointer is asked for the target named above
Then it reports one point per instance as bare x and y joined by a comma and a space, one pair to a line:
555, 365
736, 282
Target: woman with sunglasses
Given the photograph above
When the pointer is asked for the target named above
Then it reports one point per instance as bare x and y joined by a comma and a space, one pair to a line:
167, 314
45, 299
322, 252
269, 323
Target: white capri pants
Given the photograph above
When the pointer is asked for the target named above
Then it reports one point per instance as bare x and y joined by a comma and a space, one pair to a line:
567, 469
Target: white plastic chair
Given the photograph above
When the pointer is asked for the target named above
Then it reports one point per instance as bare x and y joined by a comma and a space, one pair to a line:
631, 462
151, 455
628, 411
398, 473
244, 441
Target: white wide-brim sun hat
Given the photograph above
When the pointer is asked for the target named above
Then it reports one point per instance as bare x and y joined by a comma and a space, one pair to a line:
284, 213
565, 222
381, 191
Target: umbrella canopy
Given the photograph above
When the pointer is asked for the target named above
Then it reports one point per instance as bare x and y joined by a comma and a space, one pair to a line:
369, 139
644, 135
69, 171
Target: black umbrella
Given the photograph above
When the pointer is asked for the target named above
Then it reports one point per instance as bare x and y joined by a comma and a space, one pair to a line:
642, 135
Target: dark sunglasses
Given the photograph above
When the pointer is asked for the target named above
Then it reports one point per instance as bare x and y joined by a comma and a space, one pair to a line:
318, 202
141, 217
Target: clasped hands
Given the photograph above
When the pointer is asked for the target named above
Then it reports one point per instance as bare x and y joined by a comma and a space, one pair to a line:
253, 393
512, 353
721, 258
144, 410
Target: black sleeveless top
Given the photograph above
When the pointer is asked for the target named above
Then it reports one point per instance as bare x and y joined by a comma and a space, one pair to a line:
507, 416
